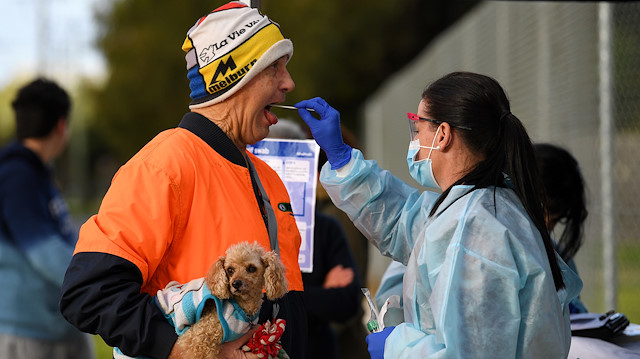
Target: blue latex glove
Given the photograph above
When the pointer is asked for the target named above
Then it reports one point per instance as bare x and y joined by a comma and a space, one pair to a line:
326, 131
376, 341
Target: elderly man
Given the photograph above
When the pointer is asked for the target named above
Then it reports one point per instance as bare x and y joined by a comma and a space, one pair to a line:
192, 192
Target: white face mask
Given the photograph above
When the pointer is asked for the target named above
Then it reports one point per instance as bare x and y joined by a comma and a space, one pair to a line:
422, 171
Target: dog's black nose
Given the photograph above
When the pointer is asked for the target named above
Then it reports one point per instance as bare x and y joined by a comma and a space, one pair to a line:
237, 284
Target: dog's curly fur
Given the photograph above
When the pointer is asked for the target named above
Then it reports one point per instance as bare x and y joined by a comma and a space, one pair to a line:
240, 274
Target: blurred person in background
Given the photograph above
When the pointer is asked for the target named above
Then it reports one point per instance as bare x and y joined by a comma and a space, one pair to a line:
566, 209
36, 233
565, 194
332, 290
482, 279
192, 192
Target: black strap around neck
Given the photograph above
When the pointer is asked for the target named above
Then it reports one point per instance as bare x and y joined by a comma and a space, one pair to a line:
210, 133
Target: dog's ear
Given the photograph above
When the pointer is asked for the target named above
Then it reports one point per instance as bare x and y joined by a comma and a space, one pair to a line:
275, 282
217, 280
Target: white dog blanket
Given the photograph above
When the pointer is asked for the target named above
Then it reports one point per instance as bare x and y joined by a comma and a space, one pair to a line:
182, 305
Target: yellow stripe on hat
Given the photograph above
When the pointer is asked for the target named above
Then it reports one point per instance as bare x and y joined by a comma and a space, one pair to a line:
187, 44
225, 72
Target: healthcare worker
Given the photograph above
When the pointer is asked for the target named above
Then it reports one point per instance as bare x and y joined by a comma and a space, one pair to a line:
482, 279
565, 192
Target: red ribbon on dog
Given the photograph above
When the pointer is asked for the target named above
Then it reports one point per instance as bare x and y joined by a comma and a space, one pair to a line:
266, 340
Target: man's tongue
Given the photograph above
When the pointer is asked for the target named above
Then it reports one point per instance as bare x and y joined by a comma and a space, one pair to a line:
270, 116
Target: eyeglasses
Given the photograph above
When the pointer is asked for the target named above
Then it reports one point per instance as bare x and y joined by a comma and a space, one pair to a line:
413, 128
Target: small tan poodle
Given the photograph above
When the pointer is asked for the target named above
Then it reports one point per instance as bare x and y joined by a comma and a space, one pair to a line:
238, 276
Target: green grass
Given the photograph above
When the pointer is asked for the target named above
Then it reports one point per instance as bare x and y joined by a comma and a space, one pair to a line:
629, 280
103, 351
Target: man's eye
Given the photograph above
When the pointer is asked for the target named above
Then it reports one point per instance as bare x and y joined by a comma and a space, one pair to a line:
251, 268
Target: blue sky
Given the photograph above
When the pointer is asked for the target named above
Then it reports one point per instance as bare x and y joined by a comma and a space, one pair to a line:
55, 36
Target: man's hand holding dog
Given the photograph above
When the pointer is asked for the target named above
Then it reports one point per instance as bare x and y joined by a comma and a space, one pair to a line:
228, 350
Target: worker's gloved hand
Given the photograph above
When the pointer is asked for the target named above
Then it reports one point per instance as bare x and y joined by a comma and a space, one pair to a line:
375, 342
326, 130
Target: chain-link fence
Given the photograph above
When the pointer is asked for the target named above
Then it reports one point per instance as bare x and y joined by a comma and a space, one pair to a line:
572, 73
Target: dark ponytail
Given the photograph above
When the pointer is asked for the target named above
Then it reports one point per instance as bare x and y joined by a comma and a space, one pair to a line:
478, 102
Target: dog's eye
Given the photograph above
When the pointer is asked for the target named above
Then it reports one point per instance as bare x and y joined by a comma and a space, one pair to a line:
251, 268
230, 271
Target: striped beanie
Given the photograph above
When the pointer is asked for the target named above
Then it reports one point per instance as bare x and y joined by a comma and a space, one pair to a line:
227, 48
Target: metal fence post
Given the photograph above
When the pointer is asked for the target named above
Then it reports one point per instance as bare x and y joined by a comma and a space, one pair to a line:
607, 156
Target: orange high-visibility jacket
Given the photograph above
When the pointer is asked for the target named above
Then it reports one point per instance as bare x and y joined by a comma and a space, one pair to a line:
176, 207
170, 213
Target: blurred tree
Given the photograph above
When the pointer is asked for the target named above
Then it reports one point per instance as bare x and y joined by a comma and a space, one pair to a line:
146, 90
626, 62
343, 51
6, 120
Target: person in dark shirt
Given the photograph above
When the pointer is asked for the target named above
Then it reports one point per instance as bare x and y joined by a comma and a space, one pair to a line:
332, 290
36, 234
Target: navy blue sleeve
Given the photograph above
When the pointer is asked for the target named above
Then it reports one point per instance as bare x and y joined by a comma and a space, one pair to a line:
26, 197
330, 249
101, 295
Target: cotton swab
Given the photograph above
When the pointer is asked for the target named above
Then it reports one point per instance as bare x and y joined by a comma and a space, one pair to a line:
287, 107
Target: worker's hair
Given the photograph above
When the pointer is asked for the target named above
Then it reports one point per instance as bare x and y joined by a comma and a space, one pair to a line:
38, 108
477, 108
565, 195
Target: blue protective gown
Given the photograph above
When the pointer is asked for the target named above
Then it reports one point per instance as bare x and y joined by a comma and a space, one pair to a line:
478, 283
390, 283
